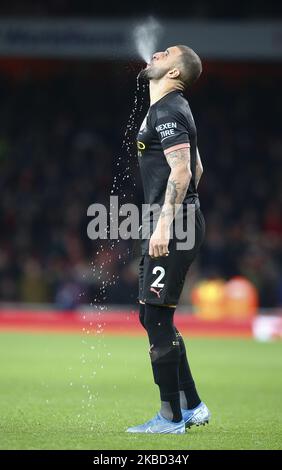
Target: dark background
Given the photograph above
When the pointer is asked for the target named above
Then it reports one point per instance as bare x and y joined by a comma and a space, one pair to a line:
62, 127
253, 9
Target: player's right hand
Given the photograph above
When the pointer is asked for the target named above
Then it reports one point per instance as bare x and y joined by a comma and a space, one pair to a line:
158, 245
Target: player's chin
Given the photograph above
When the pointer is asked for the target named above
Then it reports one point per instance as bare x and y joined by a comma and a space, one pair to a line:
144, 74
148, 72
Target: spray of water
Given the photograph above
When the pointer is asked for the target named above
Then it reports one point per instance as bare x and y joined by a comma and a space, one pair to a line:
95, 355
146, 37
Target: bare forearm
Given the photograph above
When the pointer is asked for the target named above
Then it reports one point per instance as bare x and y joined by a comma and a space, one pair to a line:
199, 169
198, 175
176, 190
178, 158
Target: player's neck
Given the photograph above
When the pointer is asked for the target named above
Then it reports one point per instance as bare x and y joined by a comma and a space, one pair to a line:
158, 90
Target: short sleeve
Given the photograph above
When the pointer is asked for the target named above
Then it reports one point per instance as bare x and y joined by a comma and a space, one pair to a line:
172, 128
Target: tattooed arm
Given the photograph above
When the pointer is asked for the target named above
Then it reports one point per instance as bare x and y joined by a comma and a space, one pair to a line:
178, 158
199, 168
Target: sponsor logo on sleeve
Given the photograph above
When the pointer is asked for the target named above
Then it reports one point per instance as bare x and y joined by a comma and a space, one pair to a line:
166, 130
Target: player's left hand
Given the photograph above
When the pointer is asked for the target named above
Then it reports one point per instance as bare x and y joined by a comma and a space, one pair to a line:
159, 241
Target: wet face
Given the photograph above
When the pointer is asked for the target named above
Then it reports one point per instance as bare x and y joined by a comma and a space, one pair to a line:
162, 63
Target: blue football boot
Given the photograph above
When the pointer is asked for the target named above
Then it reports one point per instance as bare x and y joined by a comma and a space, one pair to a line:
159, 425
197, 416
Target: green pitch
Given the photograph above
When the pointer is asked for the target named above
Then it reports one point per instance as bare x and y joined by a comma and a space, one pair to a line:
81, 392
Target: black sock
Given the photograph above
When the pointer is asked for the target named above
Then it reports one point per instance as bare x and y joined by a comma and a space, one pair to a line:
189, 397
165, 358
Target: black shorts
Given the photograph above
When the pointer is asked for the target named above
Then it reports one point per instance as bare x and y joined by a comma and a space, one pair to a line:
161, 279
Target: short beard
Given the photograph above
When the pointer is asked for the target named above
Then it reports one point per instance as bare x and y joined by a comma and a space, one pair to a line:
152, 73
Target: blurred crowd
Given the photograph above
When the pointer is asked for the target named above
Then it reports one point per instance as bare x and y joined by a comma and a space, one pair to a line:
62, 148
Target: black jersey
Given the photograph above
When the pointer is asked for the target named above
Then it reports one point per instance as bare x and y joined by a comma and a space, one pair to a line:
169, 122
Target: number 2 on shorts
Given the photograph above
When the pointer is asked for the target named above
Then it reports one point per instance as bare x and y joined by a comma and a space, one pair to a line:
161, 270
